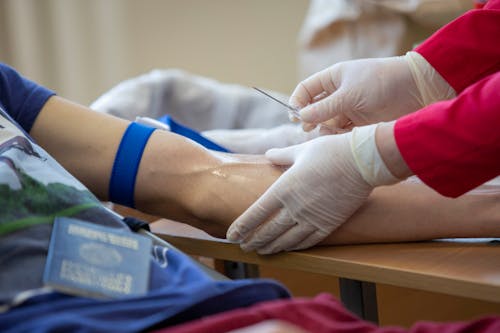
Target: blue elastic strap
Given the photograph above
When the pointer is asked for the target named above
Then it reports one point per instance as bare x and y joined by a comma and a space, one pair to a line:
127, 159
189, 133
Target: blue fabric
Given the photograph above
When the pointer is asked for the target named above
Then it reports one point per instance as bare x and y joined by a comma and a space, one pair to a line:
21, 98
179, 292
127, 160
183, 130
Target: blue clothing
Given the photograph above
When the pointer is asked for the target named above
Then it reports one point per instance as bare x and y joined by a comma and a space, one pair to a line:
34, 189
179, 292
20, 97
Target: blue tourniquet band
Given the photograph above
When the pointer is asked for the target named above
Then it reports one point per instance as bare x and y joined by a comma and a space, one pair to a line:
127, 159
178, 128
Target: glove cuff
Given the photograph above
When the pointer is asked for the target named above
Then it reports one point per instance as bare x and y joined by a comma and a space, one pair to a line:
367, 157
431, 85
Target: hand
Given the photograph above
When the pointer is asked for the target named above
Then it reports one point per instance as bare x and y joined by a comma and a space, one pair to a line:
329, 178
322, 188
368, 91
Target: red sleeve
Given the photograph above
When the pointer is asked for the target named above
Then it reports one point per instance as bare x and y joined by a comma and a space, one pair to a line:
468, 48
454, 146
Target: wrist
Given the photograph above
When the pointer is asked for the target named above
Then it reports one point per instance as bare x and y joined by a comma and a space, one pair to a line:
389, 151
367, 157
432, 87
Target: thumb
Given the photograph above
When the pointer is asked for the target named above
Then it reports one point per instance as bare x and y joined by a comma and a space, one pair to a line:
324, 109
283, 156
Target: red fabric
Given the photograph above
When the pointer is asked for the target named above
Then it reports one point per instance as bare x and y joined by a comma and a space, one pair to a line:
467, 49
323, 314
454, 146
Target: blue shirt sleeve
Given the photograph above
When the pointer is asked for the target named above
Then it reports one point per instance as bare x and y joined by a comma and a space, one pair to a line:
21, 98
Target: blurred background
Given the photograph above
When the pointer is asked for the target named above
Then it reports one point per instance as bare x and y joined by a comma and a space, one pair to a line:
81, 48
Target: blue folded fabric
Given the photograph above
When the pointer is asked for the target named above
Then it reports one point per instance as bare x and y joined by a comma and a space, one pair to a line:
190, 133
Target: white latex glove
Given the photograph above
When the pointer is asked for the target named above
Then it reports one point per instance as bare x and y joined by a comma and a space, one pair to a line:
328, 180
368, 91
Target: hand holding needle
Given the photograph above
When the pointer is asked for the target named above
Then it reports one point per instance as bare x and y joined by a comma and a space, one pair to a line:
295, 112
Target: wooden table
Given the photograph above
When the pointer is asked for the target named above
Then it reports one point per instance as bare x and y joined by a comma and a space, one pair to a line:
459, 268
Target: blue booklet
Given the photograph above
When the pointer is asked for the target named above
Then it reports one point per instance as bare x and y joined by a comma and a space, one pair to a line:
91, 260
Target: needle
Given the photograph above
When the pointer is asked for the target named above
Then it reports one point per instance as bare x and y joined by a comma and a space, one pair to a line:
296, 114
295, 111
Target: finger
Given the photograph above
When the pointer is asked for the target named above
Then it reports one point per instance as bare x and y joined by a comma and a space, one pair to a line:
327, 130
292, 117
315, 85
307, 127
341, 120
282, 156
323, 110
288, 240
349, 126
311, 240
336, 125
260, 211
319, 97
268, 231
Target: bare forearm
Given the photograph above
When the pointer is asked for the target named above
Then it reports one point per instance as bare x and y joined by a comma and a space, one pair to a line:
177, 178
414, 212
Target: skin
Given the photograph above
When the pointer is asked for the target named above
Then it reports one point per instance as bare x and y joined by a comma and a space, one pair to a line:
180, 180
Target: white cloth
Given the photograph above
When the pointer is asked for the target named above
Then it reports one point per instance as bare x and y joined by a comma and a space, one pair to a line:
198, 102
340, 30
235, 117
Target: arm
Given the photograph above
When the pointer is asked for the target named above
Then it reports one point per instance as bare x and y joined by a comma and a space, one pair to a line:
401, 213
453, 146
414, 212
181, 180
177, 178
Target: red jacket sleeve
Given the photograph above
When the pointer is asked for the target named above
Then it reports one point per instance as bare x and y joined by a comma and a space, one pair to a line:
468, 48
454, 146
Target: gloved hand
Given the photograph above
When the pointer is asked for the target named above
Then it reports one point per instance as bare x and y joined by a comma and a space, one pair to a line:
368, 91
328, 180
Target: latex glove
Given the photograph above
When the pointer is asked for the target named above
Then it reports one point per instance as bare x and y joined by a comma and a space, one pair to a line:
368, 91
259, 140
328, 180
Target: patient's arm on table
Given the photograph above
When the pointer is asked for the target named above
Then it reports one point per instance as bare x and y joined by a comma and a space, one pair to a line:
181, 180
398, 213
412, 212
177, 178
